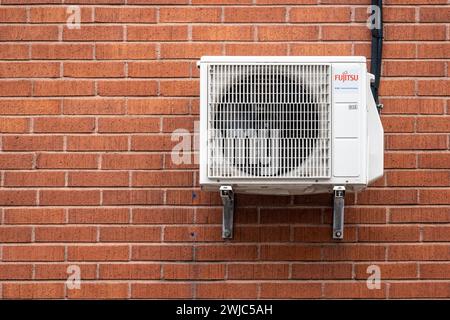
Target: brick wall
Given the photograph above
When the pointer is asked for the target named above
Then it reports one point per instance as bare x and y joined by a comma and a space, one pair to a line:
87, 178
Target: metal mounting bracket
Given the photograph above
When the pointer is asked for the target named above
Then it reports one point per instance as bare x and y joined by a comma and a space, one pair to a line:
338, 212
227, 195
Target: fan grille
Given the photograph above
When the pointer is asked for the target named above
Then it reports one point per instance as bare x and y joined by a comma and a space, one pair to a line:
269, 120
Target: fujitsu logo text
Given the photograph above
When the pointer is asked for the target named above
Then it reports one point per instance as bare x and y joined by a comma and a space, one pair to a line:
345, 76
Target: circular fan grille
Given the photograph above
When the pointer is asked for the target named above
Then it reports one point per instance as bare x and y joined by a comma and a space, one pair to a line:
270, 123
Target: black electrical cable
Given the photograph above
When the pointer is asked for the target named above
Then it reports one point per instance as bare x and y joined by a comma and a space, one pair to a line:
377, 50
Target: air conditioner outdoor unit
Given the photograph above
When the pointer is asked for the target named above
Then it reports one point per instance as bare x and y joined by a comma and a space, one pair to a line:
287, 125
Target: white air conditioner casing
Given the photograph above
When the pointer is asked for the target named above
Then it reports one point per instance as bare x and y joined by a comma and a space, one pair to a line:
288, 125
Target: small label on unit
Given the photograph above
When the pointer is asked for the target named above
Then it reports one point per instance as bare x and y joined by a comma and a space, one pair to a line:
346, 78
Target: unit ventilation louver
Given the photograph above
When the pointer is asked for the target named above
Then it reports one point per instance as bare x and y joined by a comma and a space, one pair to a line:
269, 120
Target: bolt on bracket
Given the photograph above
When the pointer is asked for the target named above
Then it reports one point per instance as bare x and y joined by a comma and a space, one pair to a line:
227, 195
338, 212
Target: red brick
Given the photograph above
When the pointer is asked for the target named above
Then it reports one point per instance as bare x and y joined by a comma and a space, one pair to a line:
192, 14
131, 161
157, 33
98, 106
69, 197
48, 88
94, 143
434, 50
194, 271
98, 253
163, 179
130, 196
158, 106
94, 69
95, 179
434, 87
396, 87
41, 290
320, 14
290, 215
437, 233
34, 216
28, 33
320, 234
400, 160
163, 215
33, 253
14, 125
419, 290
9, 51
162, 252
230, 252
17, 197
222, 33
321, 49
161, 291
398, 124
127, 88
125, 51
290, 290
437, 14
99, 215
434, 196
413, 106
124, 14
434, 270
120, 271
29, 70
59, 271
360, 215
130, 234
420, 215
120, 125
416, 142
226, 290
414, 32
65, 234
256, 49
189, 50
433, 124
159, 69
265, 271
322, 271
29, 107
62, 51
418, 178
179, 88
290, 252
191, 197
389, 271
418, 252
287, 33
390, 14
188, 234
13, 14
388, 234
353, 290
254, 14
414, 68
57, 14
355, 252
94, 33
15, 88
100, 291
66, 161
15, 271
342, 33
434, 160
15, 234
34, 179
387, 196
54, 125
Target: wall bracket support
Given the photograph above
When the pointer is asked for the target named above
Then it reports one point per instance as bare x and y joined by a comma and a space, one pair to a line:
338, 212
227, 195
